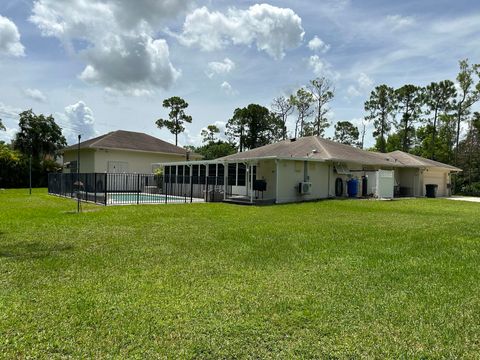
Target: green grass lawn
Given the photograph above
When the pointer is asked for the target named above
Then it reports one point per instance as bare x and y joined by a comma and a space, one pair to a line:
346, 279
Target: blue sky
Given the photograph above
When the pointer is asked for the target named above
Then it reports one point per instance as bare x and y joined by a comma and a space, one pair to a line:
102, 65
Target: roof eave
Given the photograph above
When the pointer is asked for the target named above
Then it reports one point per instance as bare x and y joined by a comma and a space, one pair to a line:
134, 150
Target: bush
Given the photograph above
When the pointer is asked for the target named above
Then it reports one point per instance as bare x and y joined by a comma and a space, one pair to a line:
14, 169
471, 190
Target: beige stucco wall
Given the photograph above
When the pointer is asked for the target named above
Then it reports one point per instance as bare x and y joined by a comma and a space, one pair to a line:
266, 170
97, 160
439, 177
291, 173
409, 178
87, 160
357, 170
416, 179
137, 161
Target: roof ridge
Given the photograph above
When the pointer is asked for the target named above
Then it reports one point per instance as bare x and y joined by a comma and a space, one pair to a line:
411, 156
317, 138
100, 138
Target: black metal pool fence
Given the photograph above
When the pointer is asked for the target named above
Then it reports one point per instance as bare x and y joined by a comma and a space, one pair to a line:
121, 189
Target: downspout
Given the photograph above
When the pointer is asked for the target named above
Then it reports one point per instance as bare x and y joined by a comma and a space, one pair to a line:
328, 181
225, 180
251, 183
276, 180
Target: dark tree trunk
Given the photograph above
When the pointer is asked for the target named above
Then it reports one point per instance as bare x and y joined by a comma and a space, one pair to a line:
434, 133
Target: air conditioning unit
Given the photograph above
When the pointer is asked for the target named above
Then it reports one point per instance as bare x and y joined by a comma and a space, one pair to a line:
304, 188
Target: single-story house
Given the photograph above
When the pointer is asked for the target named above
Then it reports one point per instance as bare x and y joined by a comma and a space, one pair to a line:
311, 168
122, 152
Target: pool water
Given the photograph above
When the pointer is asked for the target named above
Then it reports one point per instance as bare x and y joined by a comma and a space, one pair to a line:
144, 198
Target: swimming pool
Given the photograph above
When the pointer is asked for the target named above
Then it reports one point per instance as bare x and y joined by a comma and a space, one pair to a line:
145, 198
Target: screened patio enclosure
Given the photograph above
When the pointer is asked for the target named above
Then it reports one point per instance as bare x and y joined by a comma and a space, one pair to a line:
243, 182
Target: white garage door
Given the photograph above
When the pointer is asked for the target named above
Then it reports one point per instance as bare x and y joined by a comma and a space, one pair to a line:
438, 178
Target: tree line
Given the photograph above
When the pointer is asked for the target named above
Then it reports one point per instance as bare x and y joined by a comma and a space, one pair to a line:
436, 121
37, 143
422, 120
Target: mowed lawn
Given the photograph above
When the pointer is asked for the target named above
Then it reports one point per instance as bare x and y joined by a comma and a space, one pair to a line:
345, 279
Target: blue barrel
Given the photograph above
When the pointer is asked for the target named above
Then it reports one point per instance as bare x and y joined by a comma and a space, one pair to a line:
352, 187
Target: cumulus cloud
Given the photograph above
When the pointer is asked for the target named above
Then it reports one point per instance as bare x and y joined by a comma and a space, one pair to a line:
131, 64
364, 84
189, 138
10, 44
9, 115
35, 94
321, 67
221, 126
77, 119
227, 88
130, 13
116, 39
220, 67
272, 29
318, 45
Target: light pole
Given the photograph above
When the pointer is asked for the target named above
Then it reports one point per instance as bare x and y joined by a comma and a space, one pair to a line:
30, 172
78, 174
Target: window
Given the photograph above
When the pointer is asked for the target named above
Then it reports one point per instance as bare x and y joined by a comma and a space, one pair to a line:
212, 170
221, 174
242, 173
195, 174
180, 174
203, 171
232, 174
73, 166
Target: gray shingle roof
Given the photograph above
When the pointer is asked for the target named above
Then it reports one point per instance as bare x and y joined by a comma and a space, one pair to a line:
313, 147
317, 148
418, 161
129, 140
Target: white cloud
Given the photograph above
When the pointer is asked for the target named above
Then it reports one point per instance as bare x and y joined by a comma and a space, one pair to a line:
396, 22
272, 29
77, 119
188, 139
197, 140
317, 44
221, 126
352, 91
220, 67
227, 88
317, 65
9, 134
321, 67
364, 85
8, 114
10, 44
130, 64
155, 12
116, 39
35, 94
364, 81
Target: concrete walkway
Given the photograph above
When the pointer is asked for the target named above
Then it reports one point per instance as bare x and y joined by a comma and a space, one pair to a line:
465, 198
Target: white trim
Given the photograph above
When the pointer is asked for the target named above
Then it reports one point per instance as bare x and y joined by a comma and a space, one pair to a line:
276, 179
